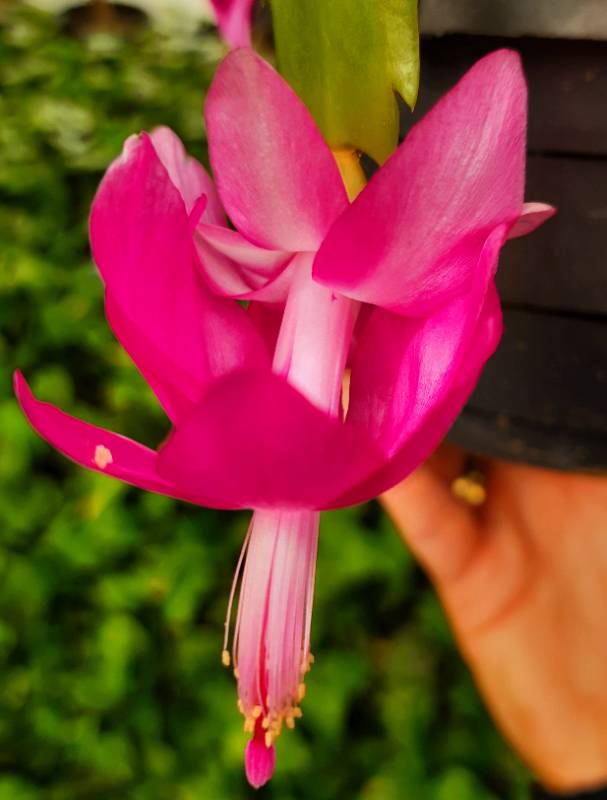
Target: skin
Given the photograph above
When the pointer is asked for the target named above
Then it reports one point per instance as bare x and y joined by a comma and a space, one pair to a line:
523, 579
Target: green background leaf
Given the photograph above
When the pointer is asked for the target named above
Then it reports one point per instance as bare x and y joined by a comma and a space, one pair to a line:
345, 59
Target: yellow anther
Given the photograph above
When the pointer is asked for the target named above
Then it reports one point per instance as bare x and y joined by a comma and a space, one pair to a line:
290, 722
240, 705
269, 739
236, 673
470, 488
256, 713
103, 457
249, 725
297, 712
301, 692
225, 658
265, 724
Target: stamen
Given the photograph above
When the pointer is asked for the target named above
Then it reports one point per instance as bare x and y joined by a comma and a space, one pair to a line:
235, 579
272, 637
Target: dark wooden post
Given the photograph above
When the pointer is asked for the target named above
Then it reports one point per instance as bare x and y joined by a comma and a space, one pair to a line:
543, 397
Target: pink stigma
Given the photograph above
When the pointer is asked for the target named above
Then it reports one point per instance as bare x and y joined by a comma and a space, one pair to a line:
259, 760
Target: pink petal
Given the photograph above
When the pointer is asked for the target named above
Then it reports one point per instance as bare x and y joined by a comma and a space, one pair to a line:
411, 239
437, 423
187, 174
277, 178
91, 447
255, 442
233, 267
234, 20
267, 319
180, 336
408, 397
533, 215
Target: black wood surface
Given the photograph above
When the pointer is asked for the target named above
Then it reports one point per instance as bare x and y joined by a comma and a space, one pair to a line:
543, 397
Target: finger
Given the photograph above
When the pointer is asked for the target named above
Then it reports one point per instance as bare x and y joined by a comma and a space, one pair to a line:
441, 531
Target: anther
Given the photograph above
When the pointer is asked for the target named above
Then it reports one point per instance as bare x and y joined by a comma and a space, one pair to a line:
301, 692
269, 739
256, 713
225, 658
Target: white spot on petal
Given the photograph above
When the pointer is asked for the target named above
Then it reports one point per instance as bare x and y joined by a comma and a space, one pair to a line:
102, 457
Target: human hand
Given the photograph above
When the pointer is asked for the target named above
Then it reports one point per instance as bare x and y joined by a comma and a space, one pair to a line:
523, 579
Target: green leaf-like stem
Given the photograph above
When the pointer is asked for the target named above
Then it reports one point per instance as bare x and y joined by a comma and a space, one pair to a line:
345, 59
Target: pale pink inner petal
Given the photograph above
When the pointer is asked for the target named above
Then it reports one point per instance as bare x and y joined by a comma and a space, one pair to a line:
275, 174
314, 339
532, 216
187, 174
233, 267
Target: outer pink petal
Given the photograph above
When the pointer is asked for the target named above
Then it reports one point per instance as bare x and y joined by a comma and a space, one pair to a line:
410, 377
187, 174
277, 179
233, 267
255, 442
532, 216
425, 439
234, 20
412, 237
91, 446
180, 336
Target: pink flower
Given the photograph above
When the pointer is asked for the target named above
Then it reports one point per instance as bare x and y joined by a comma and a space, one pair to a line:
399, 284
234, 20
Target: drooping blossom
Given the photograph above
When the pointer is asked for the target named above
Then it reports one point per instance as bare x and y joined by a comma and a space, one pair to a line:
234, 20
396, 286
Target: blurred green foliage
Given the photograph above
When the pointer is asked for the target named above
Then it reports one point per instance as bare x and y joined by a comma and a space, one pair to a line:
111, 600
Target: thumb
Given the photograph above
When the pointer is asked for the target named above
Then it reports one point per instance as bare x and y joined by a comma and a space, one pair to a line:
441, 531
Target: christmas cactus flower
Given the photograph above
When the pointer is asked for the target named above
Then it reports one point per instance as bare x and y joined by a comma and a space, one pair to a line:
234, 20
395, 289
